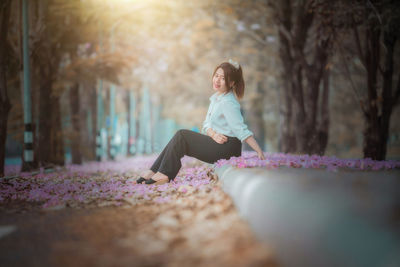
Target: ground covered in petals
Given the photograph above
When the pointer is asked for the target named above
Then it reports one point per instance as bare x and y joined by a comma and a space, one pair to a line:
94, 214
112, 183
100, 184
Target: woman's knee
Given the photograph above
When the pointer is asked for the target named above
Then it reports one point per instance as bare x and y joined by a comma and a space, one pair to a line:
181, 132
178, 133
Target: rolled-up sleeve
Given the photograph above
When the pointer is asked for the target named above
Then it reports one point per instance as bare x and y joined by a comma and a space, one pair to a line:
234, 118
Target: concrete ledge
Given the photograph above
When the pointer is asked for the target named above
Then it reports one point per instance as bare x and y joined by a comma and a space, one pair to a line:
314, 217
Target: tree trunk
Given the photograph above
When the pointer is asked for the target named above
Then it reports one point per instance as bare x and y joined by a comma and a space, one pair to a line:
47, 59
323, 127
317, 76
378, 114
107, 101
5, 105
389, 39
45, 119
75, 121
57, 137
288, 138
302, 131
51, 144
87, 123
129, 119
93, 105
372, 138
301, 78
255, 118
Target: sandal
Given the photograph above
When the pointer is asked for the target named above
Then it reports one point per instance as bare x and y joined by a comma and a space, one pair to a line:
140, 180
151, 181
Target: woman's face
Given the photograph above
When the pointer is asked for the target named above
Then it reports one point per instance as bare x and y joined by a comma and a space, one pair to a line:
219, 81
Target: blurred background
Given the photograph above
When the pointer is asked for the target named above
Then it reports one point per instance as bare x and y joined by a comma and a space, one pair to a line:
84, 80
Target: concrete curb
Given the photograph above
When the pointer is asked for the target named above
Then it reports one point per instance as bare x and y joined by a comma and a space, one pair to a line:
319, 218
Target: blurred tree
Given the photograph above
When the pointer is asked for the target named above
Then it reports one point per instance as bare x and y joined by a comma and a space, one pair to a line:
65, 58
5, 105
374, 27
46, 61
75, 108
305, 43
379, 23
23, 132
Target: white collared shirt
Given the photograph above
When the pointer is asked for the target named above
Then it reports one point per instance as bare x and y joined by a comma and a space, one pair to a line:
224, 117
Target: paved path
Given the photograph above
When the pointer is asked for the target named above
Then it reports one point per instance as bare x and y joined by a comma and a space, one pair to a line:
197, 227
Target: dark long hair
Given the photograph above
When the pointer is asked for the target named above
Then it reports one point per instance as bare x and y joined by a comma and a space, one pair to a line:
232, 74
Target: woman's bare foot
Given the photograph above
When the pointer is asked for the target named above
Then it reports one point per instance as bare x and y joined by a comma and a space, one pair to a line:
147, 174
160, 178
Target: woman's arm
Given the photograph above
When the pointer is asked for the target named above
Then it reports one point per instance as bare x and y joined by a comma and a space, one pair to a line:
234, 118
253, 143
210, 132
219, 138
235, 121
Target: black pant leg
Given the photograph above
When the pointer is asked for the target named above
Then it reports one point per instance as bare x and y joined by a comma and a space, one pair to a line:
157, 163
171, 160
204, 148
196, 145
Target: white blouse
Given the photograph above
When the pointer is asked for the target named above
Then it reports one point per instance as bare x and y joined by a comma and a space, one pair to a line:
224, 117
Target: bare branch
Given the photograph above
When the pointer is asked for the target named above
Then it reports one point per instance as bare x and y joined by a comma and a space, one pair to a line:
309, 5
376, 11
359, 48
348, 74
255, 37
286, 33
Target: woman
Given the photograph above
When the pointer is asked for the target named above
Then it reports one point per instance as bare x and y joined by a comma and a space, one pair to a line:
224, 130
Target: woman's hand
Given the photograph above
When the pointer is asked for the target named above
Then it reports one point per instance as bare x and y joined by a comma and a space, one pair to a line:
219, 138
253, 143
260, 155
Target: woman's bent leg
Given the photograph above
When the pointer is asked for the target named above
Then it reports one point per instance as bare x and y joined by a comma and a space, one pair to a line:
156, 165
196, 145
170, 160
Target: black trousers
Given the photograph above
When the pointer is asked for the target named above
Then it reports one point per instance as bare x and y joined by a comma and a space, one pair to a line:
193, 144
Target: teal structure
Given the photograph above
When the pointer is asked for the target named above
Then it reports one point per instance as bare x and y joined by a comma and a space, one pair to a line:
132, 123
28, 134
145, 134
